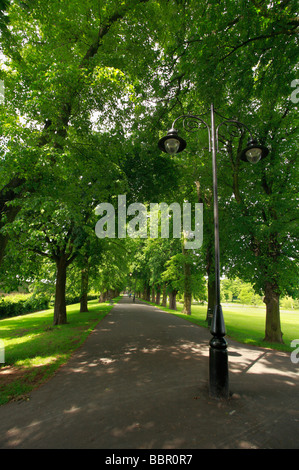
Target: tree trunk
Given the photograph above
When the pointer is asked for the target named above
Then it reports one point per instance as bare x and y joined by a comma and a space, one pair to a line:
60, 306
84, 288
172, 299
187, 303
158, 296
153, 295
110, 294
103, 296
273, 332
147, 293
164, 298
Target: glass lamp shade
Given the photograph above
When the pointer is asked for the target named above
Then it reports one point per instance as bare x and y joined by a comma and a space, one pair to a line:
254, 152
254, 155
172, 143
172, 146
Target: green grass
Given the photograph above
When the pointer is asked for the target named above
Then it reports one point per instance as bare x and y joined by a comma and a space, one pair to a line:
34, 348
245, 324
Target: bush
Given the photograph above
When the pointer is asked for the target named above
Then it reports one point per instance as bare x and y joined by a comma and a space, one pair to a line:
20, 304
11, 306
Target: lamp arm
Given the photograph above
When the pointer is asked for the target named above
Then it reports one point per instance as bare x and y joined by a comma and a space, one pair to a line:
237, 123
189, 127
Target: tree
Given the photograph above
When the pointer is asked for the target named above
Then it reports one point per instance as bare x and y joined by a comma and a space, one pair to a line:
63, 64
267, 236
54, 234
58, 220
99, 82
112, 273
60, 73
245, 43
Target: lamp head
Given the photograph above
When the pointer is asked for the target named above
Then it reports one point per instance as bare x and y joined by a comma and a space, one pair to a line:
254, 152
172, 143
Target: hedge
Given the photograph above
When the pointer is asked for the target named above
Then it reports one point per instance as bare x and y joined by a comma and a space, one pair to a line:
11, 306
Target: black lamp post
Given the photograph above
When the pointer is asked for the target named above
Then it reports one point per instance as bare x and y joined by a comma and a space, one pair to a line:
172, 144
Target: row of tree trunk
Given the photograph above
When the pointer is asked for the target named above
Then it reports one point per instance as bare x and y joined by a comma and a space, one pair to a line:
154, 295
108, 295
271, 299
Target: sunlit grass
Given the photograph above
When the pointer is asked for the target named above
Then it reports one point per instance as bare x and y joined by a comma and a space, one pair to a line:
34, 348
246, 324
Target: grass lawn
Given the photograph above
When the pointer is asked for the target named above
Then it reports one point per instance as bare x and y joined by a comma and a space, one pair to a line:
34, 348
246, 324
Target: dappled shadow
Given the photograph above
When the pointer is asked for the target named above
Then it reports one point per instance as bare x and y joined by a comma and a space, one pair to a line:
141, 381
41, 338
272, 365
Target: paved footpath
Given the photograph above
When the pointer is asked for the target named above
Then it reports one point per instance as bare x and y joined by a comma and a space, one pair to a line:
140, 382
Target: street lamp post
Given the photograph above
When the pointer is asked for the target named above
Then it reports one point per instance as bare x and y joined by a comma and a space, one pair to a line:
172, 143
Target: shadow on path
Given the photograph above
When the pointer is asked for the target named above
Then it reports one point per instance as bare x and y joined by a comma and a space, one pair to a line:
140, 382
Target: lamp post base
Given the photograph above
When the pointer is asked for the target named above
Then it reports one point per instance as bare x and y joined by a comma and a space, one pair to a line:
218, 357
218, 369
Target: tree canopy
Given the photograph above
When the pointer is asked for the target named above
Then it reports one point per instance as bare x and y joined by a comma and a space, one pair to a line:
89, 90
